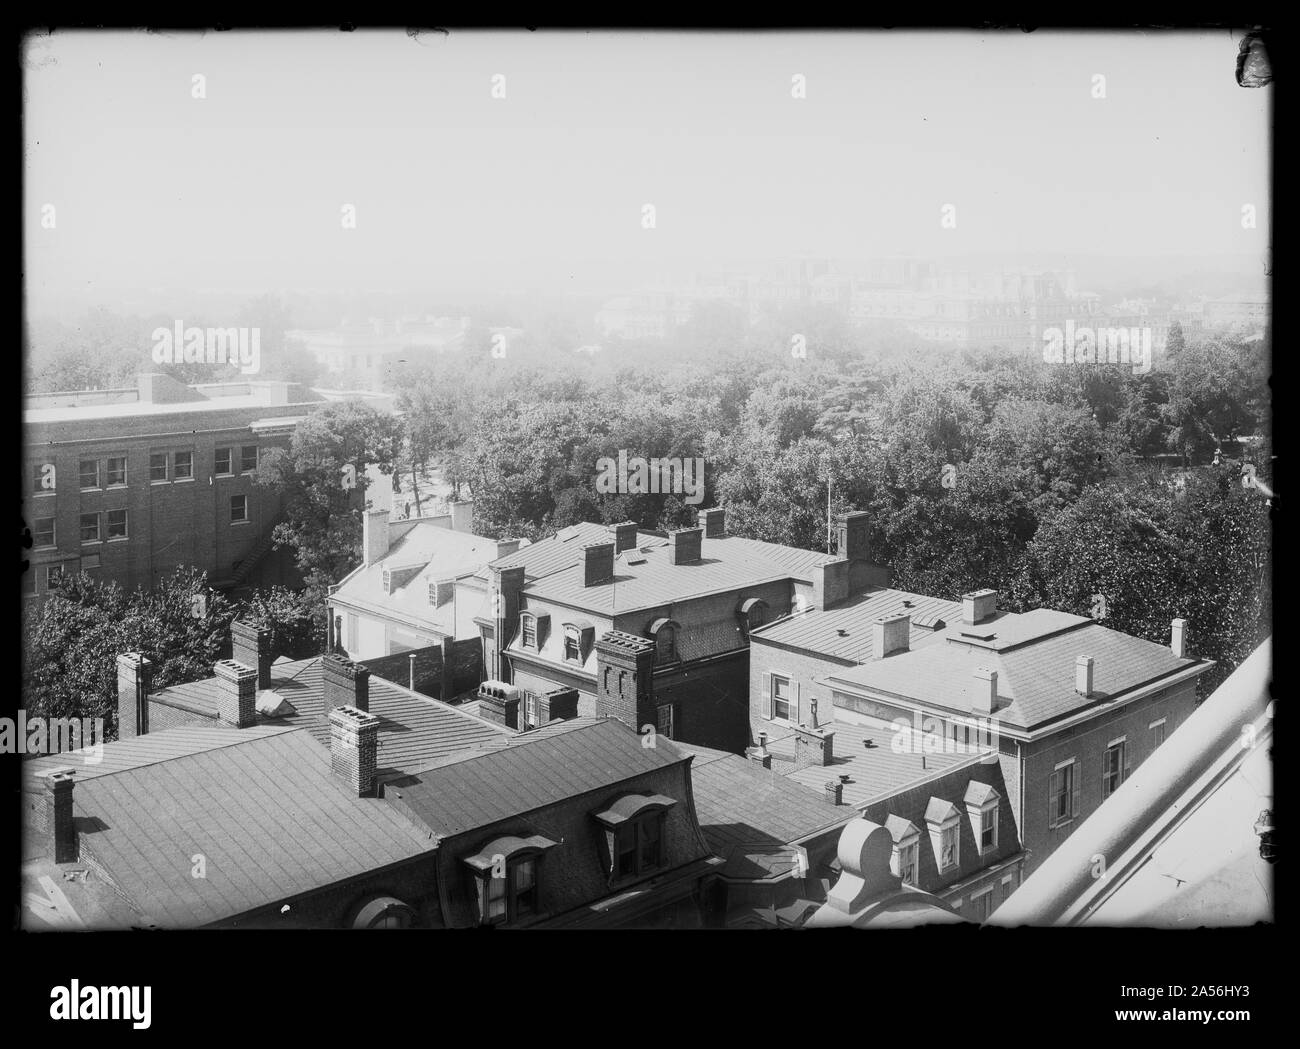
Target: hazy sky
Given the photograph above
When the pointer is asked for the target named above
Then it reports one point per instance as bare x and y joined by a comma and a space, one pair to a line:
243, 189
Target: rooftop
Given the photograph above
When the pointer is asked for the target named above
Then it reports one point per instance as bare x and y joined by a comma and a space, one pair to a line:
874, 772
441, 553
531, 771
264, 810
1034, 655
412, 728
845, 632
646, 577
746, 810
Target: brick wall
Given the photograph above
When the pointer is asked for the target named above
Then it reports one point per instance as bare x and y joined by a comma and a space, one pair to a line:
1087, 743
465, 667
711, 701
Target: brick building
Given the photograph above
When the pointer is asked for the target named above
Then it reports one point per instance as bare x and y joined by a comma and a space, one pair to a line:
682, 606
131, 484
1070, 707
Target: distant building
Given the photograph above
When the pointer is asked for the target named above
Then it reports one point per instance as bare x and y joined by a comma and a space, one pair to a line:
1247, 309
131, 484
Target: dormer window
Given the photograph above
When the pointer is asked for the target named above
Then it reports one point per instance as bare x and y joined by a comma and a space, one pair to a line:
944, 823
633, 844
751, 614
506, 880
528, 628
905, 863
664, 631
572, 644
982, 807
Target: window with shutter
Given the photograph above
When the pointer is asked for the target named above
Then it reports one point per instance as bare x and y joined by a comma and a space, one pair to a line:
767, 696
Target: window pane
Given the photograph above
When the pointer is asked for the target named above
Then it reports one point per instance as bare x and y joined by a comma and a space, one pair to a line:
238, 508
496, 898
184, 464
116, 470
43, 532
627, 841
780, 697
525, 873
90, 473
530, 632
248, 457
650, 842
221, 464
90, 528
116, 524
158, 467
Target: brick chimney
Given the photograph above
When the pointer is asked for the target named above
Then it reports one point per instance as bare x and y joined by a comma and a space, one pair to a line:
813, 747
624, 679
499, 703
714, 522
597, 563
684, 545
853, 535
462, 516
835, 792
978, 606
985, 700
374, 536
1178, 639
134, 673
559, 704
354, 748
236, 693
830, 583
624, 535
1083, 675
504, 592
890, 634
251, 646
59, 823
344, 683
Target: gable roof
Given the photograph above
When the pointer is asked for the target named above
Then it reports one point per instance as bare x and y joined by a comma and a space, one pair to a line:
1034, 655
266, 813
438, 552
531, 771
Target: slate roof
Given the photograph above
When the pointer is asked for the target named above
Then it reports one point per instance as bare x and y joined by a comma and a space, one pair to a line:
845, 631
560, 551
1034, 654
534, 770
266, 813
741, 804
412, 728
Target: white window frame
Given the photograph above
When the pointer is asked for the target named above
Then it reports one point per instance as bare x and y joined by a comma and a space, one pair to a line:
902, 848
99, 527
126, 525
982, 818
1057, 820
1120, 774
54, 534
167, 468
572, 635
527, 622
98, 476
108, 483
1164, 732
247, 513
